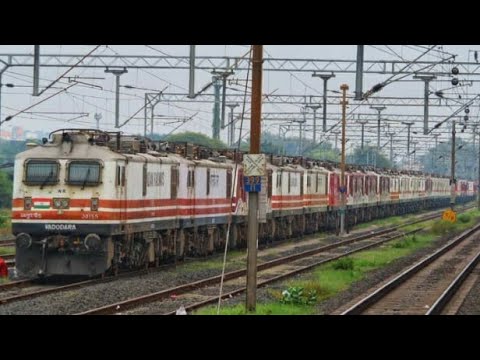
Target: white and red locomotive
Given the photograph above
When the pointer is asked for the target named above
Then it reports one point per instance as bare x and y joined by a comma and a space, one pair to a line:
89, 201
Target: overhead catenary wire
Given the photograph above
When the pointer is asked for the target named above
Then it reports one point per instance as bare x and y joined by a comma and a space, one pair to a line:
70, 69
38, 103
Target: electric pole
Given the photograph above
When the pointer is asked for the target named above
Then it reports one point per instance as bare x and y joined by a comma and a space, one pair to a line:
363, 123
359, 73
414, 152
191, 79
36, 69
336, 133
379, 109
98, 117
426, 79
314, 108
255, 134
216, 109
478, 185
391, 134
325, 78
117, 74
452, 180
409, 125
231, 125
343, 188
434, 159
153, 100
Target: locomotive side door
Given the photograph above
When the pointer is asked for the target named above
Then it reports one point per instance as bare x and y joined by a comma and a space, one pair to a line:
191, 193
121, 191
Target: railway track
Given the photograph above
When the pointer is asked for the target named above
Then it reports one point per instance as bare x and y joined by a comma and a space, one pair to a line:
30, 288
26, 293
427, 287
268, 272
454, 296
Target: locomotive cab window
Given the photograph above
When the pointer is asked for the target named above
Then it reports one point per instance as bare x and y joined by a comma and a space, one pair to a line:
41, 172
84, 173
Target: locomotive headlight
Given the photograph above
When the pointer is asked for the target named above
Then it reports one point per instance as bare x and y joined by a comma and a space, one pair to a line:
23, 241
93, 242
94, 204
61, 203
57, 203
65, 203
27, 203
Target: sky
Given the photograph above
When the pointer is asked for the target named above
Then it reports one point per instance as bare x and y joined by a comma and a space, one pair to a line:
86, 101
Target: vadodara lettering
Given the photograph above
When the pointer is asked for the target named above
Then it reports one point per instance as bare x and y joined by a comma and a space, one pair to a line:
69, 227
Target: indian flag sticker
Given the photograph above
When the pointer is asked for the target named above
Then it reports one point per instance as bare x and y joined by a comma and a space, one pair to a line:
41, 203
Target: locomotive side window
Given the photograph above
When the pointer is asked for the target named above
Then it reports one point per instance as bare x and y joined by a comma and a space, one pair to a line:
144, 178
41, 172
270, 180
208, 181
123, 176
117, 176
279, 179
301, 184
174, 183
85, 173
191, 178
229, 183
289, 182
120, 176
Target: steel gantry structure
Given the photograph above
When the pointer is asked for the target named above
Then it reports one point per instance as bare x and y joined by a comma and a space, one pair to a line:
218, 63
425, 71
315, 99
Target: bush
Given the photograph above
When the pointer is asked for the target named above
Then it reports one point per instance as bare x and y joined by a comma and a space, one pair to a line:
296, 296
2, 221
464, 218
407, 242
442, 227
343, 264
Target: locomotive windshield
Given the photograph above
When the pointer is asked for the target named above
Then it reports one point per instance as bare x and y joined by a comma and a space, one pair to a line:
41, 172
84, 173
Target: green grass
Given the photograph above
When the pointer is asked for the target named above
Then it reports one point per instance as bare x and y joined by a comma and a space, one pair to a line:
5, 221
332, 278
395, 220
329, 279
7, 250
233, 258
262, 309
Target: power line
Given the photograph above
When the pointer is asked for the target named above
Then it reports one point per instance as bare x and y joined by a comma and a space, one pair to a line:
66, 72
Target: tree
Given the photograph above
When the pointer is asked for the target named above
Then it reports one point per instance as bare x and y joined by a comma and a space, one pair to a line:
438, 160
5, 190
321, 151
369, 156
196, 138
9, 149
